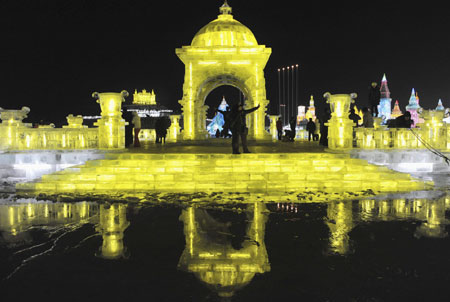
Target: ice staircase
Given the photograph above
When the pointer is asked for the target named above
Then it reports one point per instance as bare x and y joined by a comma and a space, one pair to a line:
255, 172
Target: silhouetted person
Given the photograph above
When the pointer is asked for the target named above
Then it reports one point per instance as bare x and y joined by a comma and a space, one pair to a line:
311, 128
164, 128
404, 121
293, 124
279, 128
158, 132
317, 132
324, 128
367, 118
374, 98
354, 117
128, 117
239, 128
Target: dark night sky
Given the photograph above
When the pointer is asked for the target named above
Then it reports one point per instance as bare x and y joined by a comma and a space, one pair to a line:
53, 55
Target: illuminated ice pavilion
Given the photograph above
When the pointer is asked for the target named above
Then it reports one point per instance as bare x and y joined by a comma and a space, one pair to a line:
223, 52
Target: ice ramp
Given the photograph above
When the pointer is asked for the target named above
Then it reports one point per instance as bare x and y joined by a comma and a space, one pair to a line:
254, 172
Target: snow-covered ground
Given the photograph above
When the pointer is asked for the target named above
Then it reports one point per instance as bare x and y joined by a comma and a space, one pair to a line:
419, 163
28, 165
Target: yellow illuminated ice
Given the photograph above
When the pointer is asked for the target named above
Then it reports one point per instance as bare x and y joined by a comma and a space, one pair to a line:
224, 52
174, 129
111, 126
340, 127
74, 121
144, 98
215, 262
434, 132
112, 223
273, 126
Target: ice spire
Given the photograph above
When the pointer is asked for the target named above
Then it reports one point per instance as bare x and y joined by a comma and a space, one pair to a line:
396, 112
412, 107
440, 107
384, 89
225, 9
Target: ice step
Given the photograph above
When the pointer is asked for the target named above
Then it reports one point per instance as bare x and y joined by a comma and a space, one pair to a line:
224, 172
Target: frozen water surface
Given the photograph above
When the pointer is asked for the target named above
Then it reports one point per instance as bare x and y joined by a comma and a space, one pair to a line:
213, 247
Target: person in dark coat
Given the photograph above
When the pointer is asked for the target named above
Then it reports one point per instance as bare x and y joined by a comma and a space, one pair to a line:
279, 128
354, 117
128, 117
374, 98
311, 128
404, 121
165, 124
158, 132
324, 128
239, 128
293, 124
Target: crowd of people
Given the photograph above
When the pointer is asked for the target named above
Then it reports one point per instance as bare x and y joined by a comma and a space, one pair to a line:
235, 124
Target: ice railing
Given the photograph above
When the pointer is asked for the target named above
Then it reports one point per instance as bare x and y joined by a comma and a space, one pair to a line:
342, 134
431, 133
109, 133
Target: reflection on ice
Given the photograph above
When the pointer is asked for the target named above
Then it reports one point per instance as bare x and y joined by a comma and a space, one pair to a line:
112, 223
210, 255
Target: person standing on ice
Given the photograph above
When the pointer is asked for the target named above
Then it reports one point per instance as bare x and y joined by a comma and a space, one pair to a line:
311, 128
367, 118
239, 128
279, 128
374, 98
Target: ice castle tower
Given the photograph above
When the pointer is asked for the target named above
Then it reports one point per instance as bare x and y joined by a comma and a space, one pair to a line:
396, 112
412, 107
218, 120
384, 109
440, 106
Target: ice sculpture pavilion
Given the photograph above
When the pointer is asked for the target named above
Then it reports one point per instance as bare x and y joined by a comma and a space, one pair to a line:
223, 52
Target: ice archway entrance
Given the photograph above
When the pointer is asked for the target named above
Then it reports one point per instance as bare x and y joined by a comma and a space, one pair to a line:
224, 52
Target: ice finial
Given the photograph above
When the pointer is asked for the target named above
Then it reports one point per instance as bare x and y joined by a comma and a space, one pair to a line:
311, 101
440, 106
225, 9
384, 89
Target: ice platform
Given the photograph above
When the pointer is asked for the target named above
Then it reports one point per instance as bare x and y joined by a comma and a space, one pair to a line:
210, 167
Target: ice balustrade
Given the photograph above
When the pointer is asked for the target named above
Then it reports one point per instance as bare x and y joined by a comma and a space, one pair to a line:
433, 132
109, 133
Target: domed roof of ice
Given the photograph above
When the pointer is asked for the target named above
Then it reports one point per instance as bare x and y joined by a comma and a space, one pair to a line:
224, 31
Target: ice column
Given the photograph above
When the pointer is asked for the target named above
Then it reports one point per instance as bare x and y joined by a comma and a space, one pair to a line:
340, 127
111, 126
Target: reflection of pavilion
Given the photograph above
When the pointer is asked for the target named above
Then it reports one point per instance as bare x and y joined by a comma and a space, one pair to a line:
211, 257
113, 222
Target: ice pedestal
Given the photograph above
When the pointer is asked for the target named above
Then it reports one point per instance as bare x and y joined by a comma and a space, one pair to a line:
174, 129
340, 127
111, 126
11, 126
273, 126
